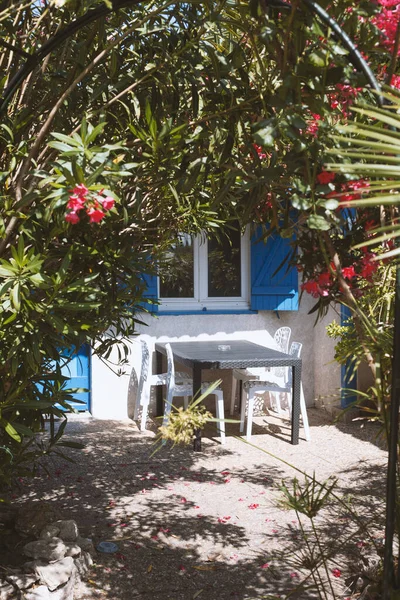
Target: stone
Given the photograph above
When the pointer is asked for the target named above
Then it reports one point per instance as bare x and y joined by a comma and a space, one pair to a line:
22, 581
8, 514
49, 531
7, 591
30, 566
85, 543
51, 550
83, 563
57, 573
68, 530
73, 550
65, 592
39, 593
33, 517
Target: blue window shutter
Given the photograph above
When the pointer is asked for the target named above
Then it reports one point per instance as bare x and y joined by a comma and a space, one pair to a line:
151, 291
272, 289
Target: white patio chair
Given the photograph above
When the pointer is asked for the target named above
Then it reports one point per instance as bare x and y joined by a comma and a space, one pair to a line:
146, 381
259, 386
185, 389
281, 340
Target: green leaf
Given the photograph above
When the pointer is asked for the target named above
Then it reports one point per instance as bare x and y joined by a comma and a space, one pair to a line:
10, 430
61, 147
329, 204
77, 143
318, 58
95, 132
265, 134
16, 296
300, 202
318, 222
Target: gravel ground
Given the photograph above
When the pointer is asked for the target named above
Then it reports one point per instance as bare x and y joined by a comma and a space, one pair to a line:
209, 525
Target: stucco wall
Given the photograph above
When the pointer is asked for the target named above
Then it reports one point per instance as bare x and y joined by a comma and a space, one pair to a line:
113, 397
327, 372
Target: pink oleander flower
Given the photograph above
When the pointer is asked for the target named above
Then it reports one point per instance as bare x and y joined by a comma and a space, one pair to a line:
107, 202
80, 190
95, 215
72, 217
349, 272
76, 203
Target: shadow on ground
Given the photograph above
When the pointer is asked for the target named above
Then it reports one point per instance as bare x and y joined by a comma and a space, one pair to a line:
192, 525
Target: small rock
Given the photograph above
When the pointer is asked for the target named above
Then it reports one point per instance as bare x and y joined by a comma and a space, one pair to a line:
68, 530
65, 592
73, 550
39, 593
49, 531
30, 566
32, 518
7, 591
83, 563
22, 581
85, 543
51, 550
57, 573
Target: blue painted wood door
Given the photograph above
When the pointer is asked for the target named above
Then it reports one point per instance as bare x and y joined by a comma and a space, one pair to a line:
78, 372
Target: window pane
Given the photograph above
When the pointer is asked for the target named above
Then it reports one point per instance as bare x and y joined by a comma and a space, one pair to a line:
176, 270
224, 280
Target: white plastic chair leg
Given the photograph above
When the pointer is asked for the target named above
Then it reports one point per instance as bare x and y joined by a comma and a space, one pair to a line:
145, 408
243, 414
275, 402
250, 410
137, 406
219, 405
233, 398
303, 411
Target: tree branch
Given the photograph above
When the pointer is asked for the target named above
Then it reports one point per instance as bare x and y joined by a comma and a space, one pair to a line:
14, 48
57, 40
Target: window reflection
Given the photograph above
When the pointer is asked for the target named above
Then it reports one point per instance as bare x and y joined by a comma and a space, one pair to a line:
224, 262
177, 270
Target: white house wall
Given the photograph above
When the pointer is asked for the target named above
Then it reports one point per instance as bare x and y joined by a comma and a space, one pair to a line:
113, 396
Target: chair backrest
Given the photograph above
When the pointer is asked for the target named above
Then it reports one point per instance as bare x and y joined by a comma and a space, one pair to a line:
144, 372
170, 367
295, 349
281, 338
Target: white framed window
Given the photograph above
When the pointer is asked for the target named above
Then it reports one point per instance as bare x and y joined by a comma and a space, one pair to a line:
206, 274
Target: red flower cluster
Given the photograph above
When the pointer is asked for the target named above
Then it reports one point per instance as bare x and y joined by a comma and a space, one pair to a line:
260, 151
313, 124
344, 97
352, 186
83, 201
325, 177
322, 285
387, 21
395, 81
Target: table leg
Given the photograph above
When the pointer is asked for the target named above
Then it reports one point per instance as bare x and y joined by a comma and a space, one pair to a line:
296, 379
197, 392
159, 388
